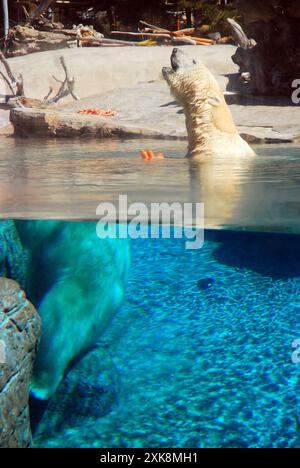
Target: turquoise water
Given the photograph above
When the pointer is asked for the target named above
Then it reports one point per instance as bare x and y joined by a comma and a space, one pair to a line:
194, 364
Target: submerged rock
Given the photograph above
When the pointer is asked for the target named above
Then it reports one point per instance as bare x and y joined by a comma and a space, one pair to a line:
205, 283
12, 257
20, 330
89, 391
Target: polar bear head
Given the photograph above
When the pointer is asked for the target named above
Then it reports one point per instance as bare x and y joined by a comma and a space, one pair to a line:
189, 78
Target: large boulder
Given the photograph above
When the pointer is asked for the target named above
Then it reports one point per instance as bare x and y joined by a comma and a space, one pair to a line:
20, 330
90, 391
274, 62
12, 256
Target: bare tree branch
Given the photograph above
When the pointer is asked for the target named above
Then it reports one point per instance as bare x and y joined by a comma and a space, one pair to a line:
16, 82
67, 86
48, 94
19, 100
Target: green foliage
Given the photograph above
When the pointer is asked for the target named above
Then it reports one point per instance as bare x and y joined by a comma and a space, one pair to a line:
209, 12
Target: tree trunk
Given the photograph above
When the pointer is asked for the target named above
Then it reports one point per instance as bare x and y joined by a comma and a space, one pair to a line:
5, 17
188, 14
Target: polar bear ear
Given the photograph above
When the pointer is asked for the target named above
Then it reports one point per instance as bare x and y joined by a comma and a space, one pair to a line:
214, 99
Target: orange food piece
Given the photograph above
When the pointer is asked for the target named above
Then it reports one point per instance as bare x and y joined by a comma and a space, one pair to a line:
98, 111
144, 155
160, 155
148, 155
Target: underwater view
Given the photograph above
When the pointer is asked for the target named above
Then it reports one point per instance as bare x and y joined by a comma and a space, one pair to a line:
149, 227
198, 355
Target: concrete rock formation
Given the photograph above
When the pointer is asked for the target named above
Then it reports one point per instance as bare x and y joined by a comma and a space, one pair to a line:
20, 330
12, 258
274, 63
89, 391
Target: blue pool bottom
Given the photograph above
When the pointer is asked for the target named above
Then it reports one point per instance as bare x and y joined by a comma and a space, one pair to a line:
202, 367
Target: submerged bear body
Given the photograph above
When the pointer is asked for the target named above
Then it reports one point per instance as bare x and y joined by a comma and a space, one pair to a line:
77, 282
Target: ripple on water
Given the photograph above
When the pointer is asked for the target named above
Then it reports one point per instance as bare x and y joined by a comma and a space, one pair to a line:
199, 369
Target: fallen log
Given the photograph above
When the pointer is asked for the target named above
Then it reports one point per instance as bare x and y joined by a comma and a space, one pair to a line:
154, 27
95, 43
183, 40
163, 35
102, 41
23, 40
183, 32
201, 40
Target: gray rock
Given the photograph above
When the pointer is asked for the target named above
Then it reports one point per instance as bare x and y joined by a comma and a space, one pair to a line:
149, 111
20, 330
273, 63
12, 256
89, 391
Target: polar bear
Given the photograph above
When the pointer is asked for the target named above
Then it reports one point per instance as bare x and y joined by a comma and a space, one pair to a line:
210, 127
77, 283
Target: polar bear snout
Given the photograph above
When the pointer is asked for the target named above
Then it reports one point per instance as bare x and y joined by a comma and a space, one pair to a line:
175, 63
180, 59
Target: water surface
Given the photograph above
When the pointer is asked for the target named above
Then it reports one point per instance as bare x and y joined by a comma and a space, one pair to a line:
67, 179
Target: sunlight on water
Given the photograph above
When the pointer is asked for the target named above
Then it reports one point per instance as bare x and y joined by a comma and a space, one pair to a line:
68, 179
198, 356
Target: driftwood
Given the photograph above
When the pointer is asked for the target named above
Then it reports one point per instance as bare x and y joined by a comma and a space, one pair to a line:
182, 36
239, 35
15, 85
156, 28
146, 34
103, 41
24, 40
40, 10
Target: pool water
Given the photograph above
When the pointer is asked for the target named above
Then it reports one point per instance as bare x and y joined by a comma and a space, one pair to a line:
67, 179
202, 349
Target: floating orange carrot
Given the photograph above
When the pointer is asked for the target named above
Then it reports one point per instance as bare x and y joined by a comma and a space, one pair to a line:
148, 155
144, 155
